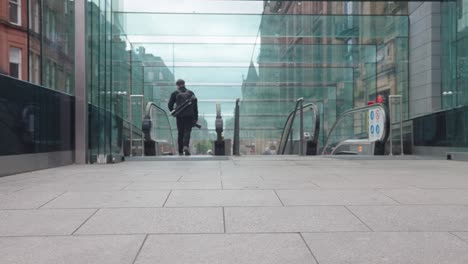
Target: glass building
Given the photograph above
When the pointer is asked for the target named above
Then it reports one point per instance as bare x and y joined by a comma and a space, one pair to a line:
89, 69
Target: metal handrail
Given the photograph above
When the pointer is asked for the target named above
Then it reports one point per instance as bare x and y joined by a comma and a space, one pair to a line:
290, 121
149, 106
356, 110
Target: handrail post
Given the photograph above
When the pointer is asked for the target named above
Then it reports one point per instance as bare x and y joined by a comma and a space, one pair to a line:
392, 102
236, 147
142, 118
391, 124
130, 117
401, 127
131, 123
301, 126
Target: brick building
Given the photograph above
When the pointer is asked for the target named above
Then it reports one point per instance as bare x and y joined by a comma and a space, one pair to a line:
14, 38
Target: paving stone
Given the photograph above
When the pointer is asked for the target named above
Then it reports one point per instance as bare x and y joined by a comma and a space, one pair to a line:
80, 186
226, 249
70, 250
155, 220
429, 196
291, 219
413, 217
462, 235
41, 222
110, 199
268, 184
333, 197
186, 198
25, 199
391, 248
213, 185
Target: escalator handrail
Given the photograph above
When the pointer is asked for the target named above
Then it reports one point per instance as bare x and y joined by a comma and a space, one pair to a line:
149, 106
356, 110
290, 121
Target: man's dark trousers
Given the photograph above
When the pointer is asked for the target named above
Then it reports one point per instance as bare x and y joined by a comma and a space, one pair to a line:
184, 128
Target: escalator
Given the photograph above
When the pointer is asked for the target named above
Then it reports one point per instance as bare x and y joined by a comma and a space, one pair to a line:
158, 138
359, 131
301, 131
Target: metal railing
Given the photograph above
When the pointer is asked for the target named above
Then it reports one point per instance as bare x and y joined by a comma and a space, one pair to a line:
353, 129
288, 127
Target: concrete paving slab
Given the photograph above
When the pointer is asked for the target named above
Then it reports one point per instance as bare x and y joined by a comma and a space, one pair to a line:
174, 186
413, 217
462, 235
268, 184
41, 222
333, 197
26, 200
110, 199
14, 186
347, 182
429, 196
155, 220
226, 249
435, 181
80, 186
194, 198
391, 248
291, 219
70, 250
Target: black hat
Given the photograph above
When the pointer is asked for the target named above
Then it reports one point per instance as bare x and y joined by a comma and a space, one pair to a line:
180, 82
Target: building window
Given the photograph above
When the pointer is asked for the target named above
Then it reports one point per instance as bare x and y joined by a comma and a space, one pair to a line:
15, 62
47, 74
53, 79
65, 7
34, 61
68, 84
34, 15
15, 12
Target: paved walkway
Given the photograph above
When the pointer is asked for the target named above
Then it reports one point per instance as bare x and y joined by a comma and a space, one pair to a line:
249, 210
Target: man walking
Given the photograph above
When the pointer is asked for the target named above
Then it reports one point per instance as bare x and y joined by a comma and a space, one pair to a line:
186, 113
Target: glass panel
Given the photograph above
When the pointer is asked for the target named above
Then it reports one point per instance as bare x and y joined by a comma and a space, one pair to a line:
34, 119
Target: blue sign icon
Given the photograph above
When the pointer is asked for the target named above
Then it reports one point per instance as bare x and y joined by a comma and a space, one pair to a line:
372, 130
377, 129
372, 115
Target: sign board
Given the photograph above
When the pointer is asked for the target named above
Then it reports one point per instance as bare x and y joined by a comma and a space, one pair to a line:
376, 124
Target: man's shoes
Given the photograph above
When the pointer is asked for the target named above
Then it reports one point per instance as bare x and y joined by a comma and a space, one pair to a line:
181, 153
186, 151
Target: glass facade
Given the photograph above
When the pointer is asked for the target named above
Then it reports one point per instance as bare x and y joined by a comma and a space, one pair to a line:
455, 54
268, 53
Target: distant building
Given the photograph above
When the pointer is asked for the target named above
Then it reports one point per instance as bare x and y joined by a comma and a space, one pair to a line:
37, 44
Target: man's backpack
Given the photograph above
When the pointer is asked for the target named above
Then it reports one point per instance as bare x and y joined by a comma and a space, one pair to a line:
184, 102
